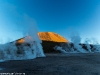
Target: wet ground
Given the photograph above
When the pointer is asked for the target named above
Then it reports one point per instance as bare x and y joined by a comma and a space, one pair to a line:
55, 64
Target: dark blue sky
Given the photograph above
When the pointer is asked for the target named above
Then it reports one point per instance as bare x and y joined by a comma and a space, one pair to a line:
52, 15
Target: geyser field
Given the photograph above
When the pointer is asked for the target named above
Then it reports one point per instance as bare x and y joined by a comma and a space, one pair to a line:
48, 53
29, 56
55, 64
49, 37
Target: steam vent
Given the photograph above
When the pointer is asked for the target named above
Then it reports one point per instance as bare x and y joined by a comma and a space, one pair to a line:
49, 40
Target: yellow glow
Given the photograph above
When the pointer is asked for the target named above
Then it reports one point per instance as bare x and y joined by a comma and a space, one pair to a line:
21, 41
50, 36
47, 36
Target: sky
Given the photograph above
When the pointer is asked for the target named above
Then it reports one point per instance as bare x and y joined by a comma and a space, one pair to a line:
59, 16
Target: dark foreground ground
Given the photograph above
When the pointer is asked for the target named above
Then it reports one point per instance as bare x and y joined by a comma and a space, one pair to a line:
55, 64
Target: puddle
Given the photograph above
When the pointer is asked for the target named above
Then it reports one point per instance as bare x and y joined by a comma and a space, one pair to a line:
2, 60
1, 68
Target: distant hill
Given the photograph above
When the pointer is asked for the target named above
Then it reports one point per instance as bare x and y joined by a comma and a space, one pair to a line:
49, 41
47, 36
51, 36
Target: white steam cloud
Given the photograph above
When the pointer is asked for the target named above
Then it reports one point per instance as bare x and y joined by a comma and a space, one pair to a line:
23, 24
9, 51
75, 44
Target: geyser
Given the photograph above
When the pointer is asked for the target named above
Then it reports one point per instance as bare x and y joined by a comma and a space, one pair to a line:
75, 46
9, 51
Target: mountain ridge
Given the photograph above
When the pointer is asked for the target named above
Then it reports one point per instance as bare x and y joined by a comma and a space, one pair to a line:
46, 36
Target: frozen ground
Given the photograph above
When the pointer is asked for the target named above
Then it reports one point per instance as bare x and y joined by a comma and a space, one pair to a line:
56, 64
